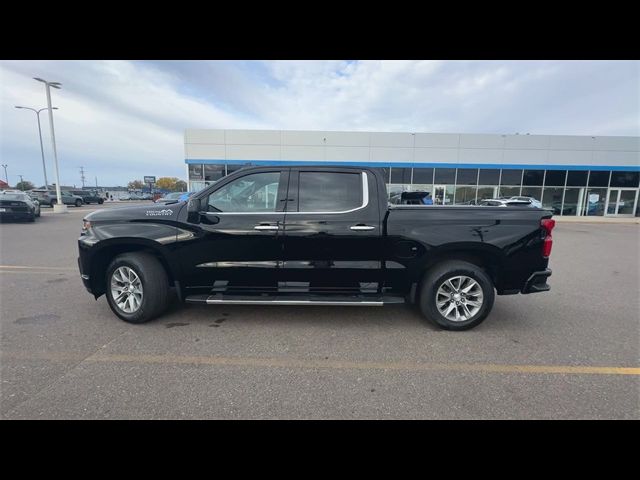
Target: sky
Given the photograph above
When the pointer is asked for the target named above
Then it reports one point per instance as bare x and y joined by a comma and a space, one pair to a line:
121, 120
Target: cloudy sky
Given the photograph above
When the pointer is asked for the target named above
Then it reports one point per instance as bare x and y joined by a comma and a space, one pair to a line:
125, 119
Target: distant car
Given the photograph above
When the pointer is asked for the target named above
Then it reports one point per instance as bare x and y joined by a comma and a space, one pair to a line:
411, 198
533, 201
50, 198
504, 202
18, 206
170, 197
89, 196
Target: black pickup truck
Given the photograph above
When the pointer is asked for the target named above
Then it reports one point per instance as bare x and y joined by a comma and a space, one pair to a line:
309, 235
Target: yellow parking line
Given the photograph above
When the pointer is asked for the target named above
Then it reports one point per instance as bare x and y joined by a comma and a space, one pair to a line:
355, 365
21, 267
316, 363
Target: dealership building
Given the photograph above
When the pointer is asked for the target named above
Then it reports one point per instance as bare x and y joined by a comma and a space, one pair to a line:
573, 175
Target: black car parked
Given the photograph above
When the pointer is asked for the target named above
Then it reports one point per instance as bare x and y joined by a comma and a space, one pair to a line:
18, 206
306, 235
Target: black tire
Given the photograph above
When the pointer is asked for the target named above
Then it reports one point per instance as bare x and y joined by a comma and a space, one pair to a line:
436, 276
155, 286
32, 218
78, 203
53, 202
100, 201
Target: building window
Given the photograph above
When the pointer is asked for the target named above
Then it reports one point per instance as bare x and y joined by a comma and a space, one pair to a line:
400, 175
552, 199
625, 179
489, 176
445, 175
384, 171
423, 175
555, 178
195, 172
465, 196
572, 201
511, 177
486, 192
235, 168
534, 192
467, 176
509, 191
595, 200
577, 178
599, 179
213, 173
533, 177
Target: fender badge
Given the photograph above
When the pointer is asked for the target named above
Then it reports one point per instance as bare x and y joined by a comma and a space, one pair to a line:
157, 213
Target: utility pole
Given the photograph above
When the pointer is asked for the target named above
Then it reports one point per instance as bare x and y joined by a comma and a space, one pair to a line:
96, 181
5, 173
21, 184
82, 176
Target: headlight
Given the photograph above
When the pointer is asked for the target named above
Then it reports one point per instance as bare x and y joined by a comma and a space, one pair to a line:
86, 226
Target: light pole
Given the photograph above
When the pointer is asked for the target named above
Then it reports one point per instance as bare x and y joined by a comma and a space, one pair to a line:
44, 168
59, 207
5, 173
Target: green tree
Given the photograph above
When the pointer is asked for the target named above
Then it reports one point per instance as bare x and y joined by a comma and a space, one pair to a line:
25, 185
135, 185
167, 183
181, 186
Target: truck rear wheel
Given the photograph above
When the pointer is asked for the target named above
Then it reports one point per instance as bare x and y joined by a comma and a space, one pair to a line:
137, 287
456, 295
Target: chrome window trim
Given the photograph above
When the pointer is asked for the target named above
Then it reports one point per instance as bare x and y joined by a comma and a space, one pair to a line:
365, 203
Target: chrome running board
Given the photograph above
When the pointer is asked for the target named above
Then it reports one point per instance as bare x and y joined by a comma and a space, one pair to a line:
283, 299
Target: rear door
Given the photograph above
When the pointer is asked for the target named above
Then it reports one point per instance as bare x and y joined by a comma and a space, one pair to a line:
237, 246
333, 232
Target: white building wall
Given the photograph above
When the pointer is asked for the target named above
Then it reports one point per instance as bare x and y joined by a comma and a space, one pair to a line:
392, 147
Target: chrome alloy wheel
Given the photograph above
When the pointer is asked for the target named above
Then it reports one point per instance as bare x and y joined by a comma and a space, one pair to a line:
126, 289
459, 298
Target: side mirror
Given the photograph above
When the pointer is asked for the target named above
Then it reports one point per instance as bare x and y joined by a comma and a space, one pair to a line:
194, 205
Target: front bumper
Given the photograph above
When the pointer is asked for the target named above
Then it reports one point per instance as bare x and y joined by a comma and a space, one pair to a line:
537, 282
84, 276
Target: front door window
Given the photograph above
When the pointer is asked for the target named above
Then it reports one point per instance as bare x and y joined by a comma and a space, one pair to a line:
252, 193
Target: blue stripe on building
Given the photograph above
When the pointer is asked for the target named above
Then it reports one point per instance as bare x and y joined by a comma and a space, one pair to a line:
511, 166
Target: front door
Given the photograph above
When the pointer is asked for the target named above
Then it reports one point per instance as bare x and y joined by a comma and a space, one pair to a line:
622, 202
238, 244
333, 232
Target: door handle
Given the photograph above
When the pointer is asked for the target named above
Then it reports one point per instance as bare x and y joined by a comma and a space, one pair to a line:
266, 227
361, 228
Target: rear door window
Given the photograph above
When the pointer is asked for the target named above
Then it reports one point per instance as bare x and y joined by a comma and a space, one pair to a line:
329, 191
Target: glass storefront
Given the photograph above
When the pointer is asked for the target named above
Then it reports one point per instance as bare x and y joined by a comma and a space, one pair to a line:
566, 192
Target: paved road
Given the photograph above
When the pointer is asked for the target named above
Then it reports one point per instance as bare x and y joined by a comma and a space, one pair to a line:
571, 353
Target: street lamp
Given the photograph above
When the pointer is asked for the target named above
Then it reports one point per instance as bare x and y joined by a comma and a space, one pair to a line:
44, 168
59, 207
5, 173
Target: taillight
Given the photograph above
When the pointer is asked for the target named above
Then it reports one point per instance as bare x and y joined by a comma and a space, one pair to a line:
547, 224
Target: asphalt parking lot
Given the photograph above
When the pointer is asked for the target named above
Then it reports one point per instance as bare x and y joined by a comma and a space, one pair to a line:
573, 352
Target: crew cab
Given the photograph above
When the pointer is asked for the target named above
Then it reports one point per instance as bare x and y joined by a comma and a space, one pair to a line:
313, 235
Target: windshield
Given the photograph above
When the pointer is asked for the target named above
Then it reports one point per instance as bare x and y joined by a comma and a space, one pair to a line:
14, 196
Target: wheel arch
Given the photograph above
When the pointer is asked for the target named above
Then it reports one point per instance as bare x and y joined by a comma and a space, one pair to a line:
105, 255
487, 257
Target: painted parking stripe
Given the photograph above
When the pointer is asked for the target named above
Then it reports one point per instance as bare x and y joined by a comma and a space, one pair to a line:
296, 363
28, 267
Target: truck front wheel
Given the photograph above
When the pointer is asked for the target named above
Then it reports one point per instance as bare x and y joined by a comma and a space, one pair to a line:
456, 295
137, 287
